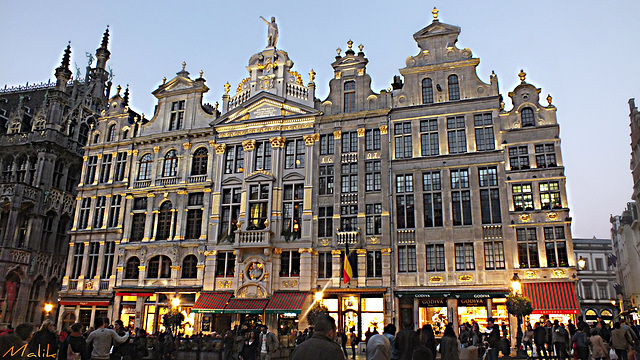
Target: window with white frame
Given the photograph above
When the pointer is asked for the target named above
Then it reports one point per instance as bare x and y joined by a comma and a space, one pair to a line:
121, 165
349, 178
293, 198
374, 219
405, 210
489, 195
234, 159
429, 141
349, 142
373, 175
326, 180
402, 140
325, 265
556, 246
258, 206
325, 221
92, 166
170, 165
435, 257
457, 135
527, 240
465, 259
230, 210
225, 264
105, 168
484, 132
550, 195
85, 209
144, 169
522, 197
109, 255
262, 155
545, 155
176, 119
407, 258
374, 263
460, 199
432, 199
494, 255
290, 263
519, 158
372, 139
77, 260
327, 144
114, 211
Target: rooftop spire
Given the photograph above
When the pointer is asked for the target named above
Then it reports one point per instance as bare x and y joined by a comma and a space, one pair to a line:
435, 14
102, 53
66, 58
105, 39
63, 74
125, 100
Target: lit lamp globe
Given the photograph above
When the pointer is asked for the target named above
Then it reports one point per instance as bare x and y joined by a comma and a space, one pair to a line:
48, 307
175, 302
515, 284
581, 263
318, 296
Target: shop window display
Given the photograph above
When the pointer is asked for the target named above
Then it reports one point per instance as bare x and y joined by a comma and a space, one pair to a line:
434, 312
472, 309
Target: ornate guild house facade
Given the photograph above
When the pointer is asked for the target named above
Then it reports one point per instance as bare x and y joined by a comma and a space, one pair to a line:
242, 212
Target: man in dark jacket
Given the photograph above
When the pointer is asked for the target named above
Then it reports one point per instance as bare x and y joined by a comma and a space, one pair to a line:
321, 346
406, 340
540, 339
559, 340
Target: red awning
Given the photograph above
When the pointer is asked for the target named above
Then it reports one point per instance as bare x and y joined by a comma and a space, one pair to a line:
84, 303
211, 302
552, 297
286, 301
139, 294
246, 306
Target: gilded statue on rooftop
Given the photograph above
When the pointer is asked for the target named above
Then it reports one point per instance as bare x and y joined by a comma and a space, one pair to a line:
272, 33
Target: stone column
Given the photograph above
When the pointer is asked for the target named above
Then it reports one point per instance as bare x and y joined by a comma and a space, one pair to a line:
83, 173
335, 267
142, 274
175, 217
184, 160
96, 178
181, 210
206, 213
72, 251
175, 273
139, 311
150, 225
306, 270
128, 167
307, 214
386, 267
76, 214
362, 267
452, 313
126, 217
210, 262
248, 146
156, 166
100, 265
116, 310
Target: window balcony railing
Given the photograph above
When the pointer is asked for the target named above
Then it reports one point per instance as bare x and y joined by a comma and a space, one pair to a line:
167, 181
251, 238
141, 184
197, 179
348, 237
73, 285
348, 199
490, 232
104, 284
407, 236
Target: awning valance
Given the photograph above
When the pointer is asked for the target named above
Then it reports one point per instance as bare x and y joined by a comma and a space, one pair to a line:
83, 303
211, 302
286, 301
552, 297
246, 306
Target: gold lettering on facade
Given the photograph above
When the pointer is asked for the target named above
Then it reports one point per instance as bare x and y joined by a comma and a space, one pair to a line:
373, 155
326, 160
156, 149
186, 146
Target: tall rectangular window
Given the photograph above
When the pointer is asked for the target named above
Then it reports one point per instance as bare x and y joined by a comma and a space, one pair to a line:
348, 217
494, 255
556, 246
176, 118
92, 165
432, 199
77, 260
457, 135
325, 265
98, 214
429, 143
374, 219
527, 248
602, 291
234, 159
349, 178
105, 168
587, 290
109, 255
138, 222
407, 258
85, 208
489, 195
373, 175
550, 195
294, 154
290, 263
292, 208
522, 197
372, 139
94, 254
465, 259
484, 132
545, 155
327, 144
349, 142
460, 199
519, 158
435, 257
121, 165
258, 206
349, 96
402, 140
114, 211
326, 180
230, 211
405, 213
325, 221
225, 264
262, 155
194, 224
374, 263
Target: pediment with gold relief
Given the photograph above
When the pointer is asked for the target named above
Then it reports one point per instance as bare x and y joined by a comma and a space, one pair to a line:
260, 175
179, 84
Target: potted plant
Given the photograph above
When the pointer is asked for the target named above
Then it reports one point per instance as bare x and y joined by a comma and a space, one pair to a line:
317, 309
519, 306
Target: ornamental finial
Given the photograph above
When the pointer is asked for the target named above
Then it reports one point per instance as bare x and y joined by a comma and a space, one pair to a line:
522, 75
118, 88
312, 75
338, 51
184, 65
164, 80
350, 44
435, 13
201, 73
227, 87
360, 47
549, 98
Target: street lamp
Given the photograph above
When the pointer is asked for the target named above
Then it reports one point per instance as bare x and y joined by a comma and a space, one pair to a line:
48, 307
515, 284
175, 302
581, 263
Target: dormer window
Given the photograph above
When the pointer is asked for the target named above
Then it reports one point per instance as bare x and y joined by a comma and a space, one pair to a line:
454, 87
111, 133
349, 96
527, 117
177, 115
427, 91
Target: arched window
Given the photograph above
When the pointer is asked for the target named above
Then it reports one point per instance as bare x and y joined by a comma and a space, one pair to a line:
37, 289
125, 134
132, 271
96, 138
21, 171
199, 163
144, 171
454, 87
7, 168
164, 221
170, 167
349, 96
58, 169
427, 91
159, 267
190, 267
527, 117
83, 135
111, 133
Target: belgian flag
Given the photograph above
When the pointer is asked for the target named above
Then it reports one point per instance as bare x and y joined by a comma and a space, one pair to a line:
347, 270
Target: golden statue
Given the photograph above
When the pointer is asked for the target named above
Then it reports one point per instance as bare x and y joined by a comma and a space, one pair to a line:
272, 33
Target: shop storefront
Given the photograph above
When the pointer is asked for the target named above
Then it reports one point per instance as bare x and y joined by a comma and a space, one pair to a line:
246, 311
287, 305
211, 305
356, 309
84, 312
552, 301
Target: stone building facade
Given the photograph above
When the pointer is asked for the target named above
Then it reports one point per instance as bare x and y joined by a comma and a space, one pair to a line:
43, 129
241, 214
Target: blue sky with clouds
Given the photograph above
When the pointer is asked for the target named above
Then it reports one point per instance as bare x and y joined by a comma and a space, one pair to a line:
584, 53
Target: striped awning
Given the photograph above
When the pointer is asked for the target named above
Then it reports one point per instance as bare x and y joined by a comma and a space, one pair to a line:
552, 297
246, 306
211, 302
286, 301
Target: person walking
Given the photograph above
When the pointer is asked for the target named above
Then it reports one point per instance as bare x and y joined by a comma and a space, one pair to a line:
406, 340
321, 345
581, 341
354, 340
598, 349
378, 348
527, 339
44, 342
103, 338
268, 343
389, 332
449, 344
620, 341
250, 348
74, 347
139, 345
493, 341
559, 340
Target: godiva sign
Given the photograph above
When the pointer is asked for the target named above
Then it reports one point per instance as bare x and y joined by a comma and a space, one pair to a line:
453, 294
